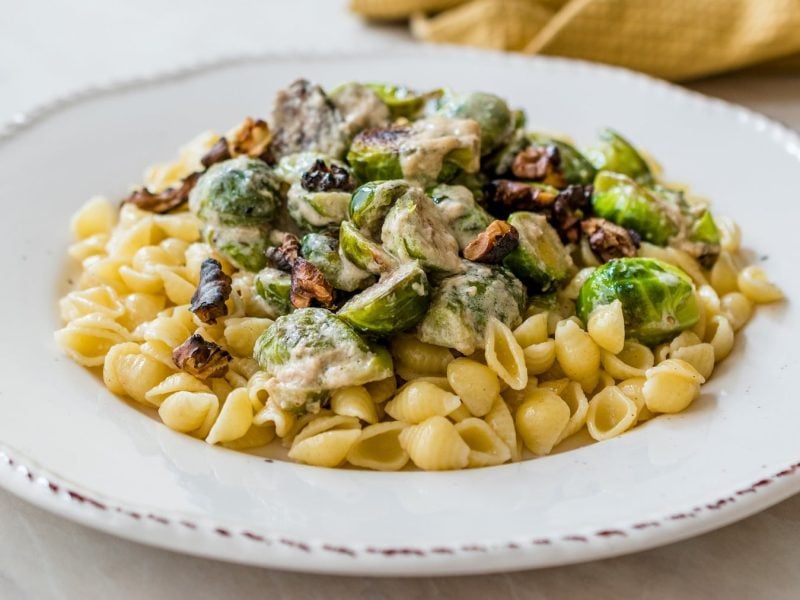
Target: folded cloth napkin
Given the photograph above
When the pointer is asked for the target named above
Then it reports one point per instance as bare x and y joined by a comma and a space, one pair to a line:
673, 39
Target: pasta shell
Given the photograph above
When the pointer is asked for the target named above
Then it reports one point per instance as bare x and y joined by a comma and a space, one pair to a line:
434, 445
378, 447
485, 446
327, 449
420, 400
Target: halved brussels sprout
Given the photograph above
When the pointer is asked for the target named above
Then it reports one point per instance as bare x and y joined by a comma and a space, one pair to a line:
705, 229
398, 301
614, 153
415, 230
312, 350
576, 168
316, 211
540, 259
402, 101
240, 192
464, 217
491, 112
323, 251
363, 252
370, 203
361, 107
428, 150
243, 246
463, 304
275, 288
658, 300
620, 199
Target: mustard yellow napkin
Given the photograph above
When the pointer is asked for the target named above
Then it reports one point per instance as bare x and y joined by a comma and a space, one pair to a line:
673, 39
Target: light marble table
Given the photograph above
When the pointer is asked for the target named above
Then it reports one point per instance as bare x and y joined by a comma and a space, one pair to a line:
47, 49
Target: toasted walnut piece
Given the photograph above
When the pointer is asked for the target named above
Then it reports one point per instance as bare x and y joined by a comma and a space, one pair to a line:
217, 153
321, 178
282, 257
201, 358
539, 164
493, 243
506, 196
608, 240
250, 137
164, 201
309, 284
569, 208
213, 290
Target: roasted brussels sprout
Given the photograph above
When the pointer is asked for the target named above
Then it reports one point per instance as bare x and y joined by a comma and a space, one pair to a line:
363, 252
620, 199
658, 300
415, 230
398, 301
275, 288
463, 304
311, 351
428, 150
540, 259
361, 107
244, 247
323, 251
370, 203
491, 112
465, 218
704, 229
577, 170
402, 101
614, 153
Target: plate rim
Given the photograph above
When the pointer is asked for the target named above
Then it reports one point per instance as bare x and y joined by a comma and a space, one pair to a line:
26, 479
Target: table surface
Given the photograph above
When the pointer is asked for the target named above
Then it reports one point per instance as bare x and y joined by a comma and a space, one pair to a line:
47, 49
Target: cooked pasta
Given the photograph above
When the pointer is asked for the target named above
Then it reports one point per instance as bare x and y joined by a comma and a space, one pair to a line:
504, 355
435, 445
610, 413
606, 326
541, 420
632, 361
753, 283
190, 412
577, 354
721, 337
419, 400
671, 386
485, 446
474, 383
234, 420
378, 447
354, 401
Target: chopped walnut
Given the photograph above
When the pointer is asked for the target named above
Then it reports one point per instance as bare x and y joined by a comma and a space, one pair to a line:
506, 196
309, 284
201, 358
492, 244
570, 207
213, 290
217, 153
251, 137
283, 257
608, 240
165, 201
539, 164
321, 178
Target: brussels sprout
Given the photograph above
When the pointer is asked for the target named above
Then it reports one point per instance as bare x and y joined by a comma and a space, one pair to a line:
370, 203
415, 230
398, 301
463, 304
240, 192
464, 217
491, 112
576, 168
312, 350
474, 182
323, 251
620, 199
402, 101
540, 259
243, 246
363, 252
705, 229
615, 153
316, 211
658, 300
428, 150
275, 288
361, 107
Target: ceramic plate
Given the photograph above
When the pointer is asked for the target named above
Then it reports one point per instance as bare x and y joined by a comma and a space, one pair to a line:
71, 447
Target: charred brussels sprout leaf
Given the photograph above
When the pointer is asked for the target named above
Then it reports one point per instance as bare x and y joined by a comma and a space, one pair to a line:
323, 251
465, 218
491, 112
621, 200
415, 230
312, 350
370, 203
463, 304
658, 300
275, 288
363, 252
577, 170
540, 259
398, 301
614, 153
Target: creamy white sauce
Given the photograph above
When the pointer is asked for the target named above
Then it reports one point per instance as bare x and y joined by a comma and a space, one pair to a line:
423, 152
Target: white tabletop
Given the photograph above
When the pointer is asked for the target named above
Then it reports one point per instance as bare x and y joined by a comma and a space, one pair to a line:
48, 49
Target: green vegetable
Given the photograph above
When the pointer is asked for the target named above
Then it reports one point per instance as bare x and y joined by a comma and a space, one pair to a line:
316, 211
615, 153
620, 199
491, 112
464, 217
370, 203
360, 107
398, 301
415, 230
540, 259
658, 300
323, 251
312, 350
275, 288
363, 252
576, 168
402, 101
705, 230
463, 304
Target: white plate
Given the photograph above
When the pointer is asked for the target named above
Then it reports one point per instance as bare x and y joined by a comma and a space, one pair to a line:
71, 447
